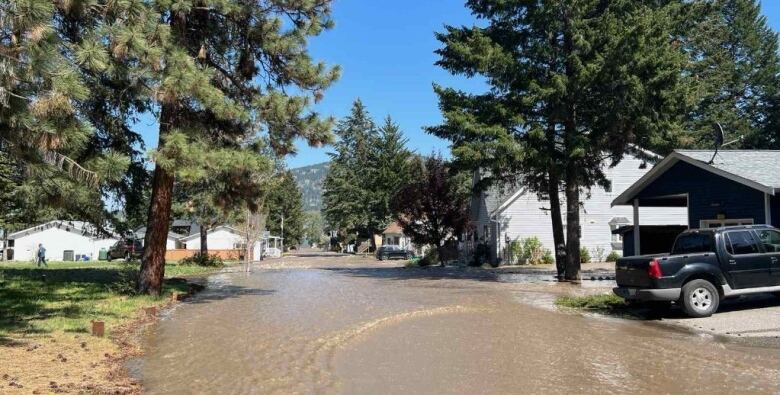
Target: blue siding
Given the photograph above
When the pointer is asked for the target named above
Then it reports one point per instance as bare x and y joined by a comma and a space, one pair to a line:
709, 195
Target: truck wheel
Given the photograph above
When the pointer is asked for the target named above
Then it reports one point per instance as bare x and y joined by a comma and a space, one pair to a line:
700, 298
127, 257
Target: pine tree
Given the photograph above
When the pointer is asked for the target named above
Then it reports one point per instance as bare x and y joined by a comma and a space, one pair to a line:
572, 85
734, 59
345, 194
387, 172
222, 80
285, 201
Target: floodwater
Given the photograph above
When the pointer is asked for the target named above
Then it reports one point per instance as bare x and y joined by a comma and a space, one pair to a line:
374, 329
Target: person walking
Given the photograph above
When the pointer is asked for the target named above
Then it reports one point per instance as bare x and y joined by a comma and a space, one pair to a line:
41, 256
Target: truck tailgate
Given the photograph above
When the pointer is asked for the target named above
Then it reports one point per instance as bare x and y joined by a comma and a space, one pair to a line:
632, 271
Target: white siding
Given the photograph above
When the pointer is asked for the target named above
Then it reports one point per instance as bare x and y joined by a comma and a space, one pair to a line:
526, 217
57, 241
219, 239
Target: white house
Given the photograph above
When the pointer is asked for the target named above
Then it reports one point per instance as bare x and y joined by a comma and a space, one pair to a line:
63, 240
500, 218
171, 242
394, 235
219, 238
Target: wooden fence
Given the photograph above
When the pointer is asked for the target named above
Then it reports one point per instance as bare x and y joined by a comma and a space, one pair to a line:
226, 255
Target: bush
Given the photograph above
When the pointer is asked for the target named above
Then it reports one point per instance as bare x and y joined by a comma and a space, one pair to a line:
592, 302
584, 255
515, 251
547, 258
431, 258
613, 256
481, 254
203, 260
533, 251
598, 253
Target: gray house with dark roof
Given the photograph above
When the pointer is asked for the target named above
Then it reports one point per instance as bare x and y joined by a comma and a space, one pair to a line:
730, 187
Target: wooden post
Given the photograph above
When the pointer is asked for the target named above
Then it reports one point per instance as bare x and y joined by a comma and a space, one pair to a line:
98, 328
636, 228
767, 209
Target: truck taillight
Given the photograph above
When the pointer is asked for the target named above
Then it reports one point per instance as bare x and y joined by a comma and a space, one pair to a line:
654, 270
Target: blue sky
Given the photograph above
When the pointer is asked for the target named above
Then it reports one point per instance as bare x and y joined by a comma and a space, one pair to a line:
385, 50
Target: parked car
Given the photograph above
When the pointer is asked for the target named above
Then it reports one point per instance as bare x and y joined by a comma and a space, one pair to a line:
392, 251
126, 249
704, 267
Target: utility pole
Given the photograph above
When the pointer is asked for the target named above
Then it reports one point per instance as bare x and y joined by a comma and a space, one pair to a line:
282, 233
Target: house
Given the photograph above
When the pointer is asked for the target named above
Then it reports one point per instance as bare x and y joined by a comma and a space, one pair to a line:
171, 242
394, 235
63, 240
218, 238
723, 188
499, 217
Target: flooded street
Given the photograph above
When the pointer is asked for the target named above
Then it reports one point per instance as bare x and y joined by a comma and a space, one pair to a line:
335, 325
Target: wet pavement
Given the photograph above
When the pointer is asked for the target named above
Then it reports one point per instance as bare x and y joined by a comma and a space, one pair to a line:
343, 325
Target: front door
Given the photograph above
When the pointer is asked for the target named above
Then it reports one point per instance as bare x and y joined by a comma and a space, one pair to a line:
747, 265
770, 241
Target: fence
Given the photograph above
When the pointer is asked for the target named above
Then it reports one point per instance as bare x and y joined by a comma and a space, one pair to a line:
226, 255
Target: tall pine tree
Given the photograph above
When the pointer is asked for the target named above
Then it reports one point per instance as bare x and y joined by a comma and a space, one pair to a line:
222, 88
572, 84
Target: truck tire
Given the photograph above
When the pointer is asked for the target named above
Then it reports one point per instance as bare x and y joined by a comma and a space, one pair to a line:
700, 298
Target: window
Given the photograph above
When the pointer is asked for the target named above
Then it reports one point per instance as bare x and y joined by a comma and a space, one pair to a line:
741, 243
770, 239
691, 243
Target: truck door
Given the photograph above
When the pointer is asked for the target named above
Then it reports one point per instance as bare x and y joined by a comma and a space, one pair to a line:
745, 262
770, 241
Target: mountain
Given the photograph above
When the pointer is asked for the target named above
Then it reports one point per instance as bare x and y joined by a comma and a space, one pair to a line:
310, 179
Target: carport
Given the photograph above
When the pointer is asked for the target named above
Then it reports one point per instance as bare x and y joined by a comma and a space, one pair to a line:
730, 187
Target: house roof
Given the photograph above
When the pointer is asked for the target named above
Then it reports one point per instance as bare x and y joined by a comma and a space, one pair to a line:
141, 232
393, 228
754, 168
75, 227
212, 230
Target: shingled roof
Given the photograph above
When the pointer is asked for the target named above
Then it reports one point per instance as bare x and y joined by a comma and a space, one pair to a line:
757, 169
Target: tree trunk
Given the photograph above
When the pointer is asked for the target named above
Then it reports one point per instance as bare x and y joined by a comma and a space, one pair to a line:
557, 223
204, 241
153, 261
572, 225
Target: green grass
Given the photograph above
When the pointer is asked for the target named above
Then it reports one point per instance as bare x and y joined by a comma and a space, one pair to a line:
66, 296
603, 302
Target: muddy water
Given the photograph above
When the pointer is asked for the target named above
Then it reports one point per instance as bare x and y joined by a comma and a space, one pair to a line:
392, 330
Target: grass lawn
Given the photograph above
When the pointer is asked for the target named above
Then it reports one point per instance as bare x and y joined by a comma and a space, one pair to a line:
602, 302
67, 296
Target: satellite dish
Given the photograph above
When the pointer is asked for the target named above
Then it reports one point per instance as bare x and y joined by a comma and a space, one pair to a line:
719, 135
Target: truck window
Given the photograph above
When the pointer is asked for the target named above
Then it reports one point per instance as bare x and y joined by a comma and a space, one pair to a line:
770, 239
691, 243
741, 243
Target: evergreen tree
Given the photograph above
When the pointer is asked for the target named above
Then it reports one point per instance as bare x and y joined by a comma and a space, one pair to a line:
734, 59
572, 85
222, 78
345, 194
368, 168
387, 172
285, 201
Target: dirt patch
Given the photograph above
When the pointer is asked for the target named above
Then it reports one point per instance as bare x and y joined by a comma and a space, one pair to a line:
66, 362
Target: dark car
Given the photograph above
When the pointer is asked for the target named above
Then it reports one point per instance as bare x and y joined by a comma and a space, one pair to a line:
704, 267
392, 252
126, 249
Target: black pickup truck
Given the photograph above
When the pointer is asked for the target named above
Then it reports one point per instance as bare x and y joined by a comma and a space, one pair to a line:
704, 267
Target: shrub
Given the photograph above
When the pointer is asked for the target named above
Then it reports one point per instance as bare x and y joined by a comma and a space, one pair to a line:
613, 256
584, 255
533, 251
598, 253
431, 257
547, 258
515, 251
481, 254
203, 260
